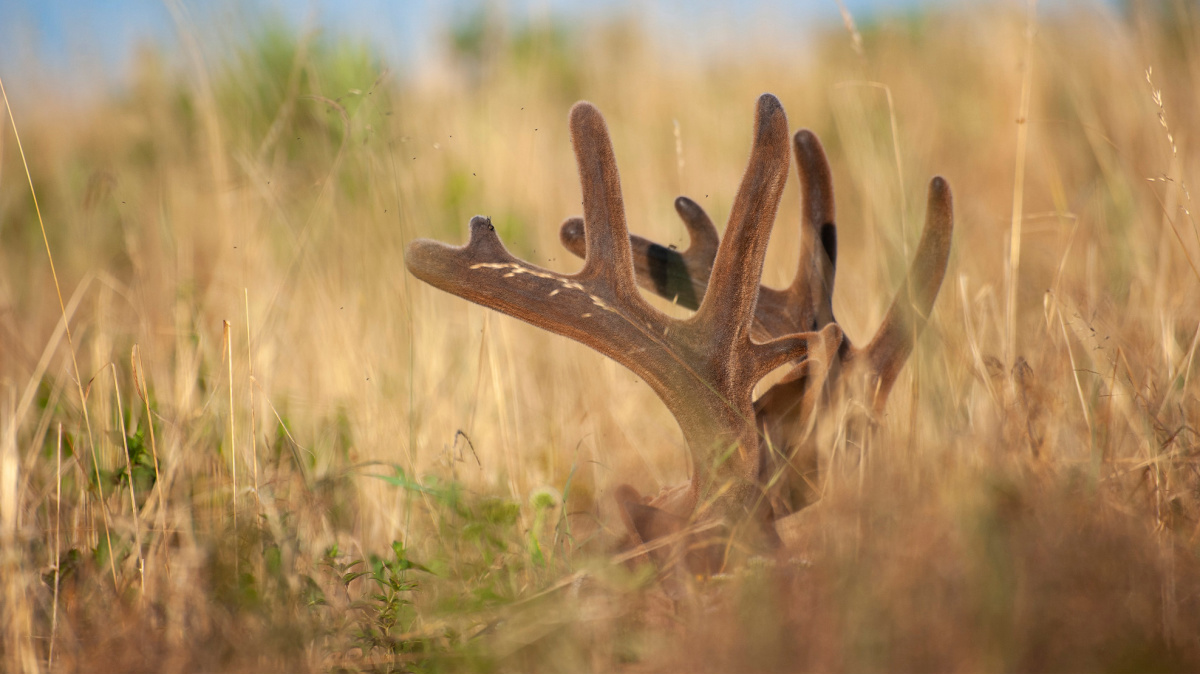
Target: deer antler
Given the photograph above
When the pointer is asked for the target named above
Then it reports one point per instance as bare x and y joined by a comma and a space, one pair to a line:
704, 368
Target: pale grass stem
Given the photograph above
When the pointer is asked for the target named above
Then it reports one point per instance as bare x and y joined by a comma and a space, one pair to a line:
87, 421
1191, 355
139, 385
1157, 97
1018, 200
891, 106
51, 348
1075, 375
104, 512
137, 527
57, 562
227, 356
502, 406
14, 612
1107, 450
1168, 591
1050, 305
856, 40
250, 364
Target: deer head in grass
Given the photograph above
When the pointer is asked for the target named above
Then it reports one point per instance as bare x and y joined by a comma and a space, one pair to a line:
750, 460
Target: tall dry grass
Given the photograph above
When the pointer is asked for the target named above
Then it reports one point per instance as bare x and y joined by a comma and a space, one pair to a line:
265, 446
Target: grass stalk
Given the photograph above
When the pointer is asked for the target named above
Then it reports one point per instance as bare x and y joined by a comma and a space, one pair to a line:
227, 359
1018, 197
133, 506
57, 561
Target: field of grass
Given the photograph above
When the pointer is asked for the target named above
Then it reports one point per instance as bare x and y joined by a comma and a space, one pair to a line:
263, 445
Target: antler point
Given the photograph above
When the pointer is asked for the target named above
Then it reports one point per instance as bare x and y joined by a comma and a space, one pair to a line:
768, 99
584, 112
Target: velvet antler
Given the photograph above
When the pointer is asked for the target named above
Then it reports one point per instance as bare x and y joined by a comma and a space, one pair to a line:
748, 458
704, 368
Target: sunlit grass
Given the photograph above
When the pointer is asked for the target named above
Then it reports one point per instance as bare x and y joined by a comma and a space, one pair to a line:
423, 484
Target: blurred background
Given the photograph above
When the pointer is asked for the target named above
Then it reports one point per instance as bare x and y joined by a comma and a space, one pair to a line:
91, 46
263, 445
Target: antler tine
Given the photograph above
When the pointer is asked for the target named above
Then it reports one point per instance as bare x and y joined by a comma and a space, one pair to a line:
570, 233
678, 276
728, 305
704, 238
906, 318
607, 239
818, 229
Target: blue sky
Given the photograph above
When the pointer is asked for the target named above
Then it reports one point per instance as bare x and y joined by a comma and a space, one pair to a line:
90, 43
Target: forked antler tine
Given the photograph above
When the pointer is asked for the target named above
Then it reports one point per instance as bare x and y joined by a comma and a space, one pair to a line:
606, 235
906, 318
818, 229
680, 276
728, 304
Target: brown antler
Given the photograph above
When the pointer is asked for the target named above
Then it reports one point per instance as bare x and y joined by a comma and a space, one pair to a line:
704, 368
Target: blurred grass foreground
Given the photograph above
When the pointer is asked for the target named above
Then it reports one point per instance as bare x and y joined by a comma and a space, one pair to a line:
263, 446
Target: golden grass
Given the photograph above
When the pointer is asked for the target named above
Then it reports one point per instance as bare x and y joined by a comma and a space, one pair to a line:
229, 240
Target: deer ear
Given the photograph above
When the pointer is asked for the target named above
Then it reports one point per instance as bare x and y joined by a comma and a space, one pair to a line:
649, 523
644, 522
